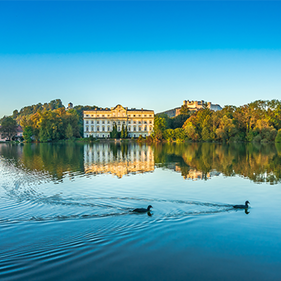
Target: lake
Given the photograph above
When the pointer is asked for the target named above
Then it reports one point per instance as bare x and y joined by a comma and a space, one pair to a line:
66, 211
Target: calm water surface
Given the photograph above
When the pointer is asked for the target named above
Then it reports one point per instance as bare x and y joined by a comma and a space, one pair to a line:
65, 212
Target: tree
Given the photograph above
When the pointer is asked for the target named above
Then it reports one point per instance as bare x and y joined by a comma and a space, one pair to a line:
184, 110
159, 127
114, 133
124, 132
179, 134
190, 131
69, 131
27, 133
278, 137
169, 134
8, 128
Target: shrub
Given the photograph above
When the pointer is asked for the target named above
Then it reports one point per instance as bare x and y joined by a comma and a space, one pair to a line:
278, 137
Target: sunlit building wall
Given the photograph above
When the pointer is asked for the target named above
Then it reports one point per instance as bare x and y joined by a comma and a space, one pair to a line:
99, 122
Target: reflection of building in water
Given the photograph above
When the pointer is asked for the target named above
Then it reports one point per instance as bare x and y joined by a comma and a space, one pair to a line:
194, 174
119, 161
100, 122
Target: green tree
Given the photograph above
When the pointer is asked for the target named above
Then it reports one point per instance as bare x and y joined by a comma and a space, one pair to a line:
69, 131
8, 128
114, 133
159, 127
190, 131
169, 134
179, 134
184, 110
278, 137
27, 133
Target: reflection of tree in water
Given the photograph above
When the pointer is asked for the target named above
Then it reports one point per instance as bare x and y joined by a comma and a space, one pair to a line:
258, 162
56, 159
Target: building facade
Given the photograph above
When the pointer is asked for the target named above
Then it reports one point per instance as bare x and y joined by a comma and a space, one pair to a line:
192, 106
196, 105
99, 122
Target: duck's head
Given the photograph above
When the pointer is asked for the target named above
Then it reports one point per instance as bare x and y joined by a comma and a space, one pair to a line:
247, 202
149, 207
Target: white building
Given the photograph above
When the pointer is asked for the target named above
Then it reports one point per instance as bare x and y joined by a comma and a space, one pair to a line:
99, 122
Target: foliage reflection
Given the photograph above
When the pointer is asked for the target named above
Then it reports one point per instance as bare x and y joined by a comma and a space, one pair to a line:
257, 162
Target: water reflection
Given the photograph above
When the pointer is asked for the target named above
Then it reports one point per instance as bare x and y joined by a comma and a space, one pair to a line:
195, 161
119, 159
259, 163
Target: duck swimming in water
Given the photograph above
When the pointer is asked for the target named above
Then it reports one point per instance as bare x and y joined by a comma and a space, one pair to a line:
143, 210
242, 206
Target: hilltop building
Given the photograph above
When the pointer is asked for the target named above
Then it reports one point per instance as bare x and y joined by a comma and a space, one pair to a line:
99, 122
192, 106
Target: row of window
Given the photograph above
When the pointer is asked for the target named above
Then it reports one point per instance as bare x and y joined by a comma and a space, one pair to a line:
107, 115
107, 136
119, 122
134, 128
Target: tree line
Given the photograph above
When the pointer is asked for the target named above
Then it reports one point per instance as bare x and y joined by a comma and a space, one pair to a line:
259, 121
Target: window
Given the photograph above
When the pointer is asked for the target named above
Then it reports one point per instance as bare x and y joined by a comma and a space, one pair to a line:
134, 115
87, 115
139, 128
97, 115
139, 115
108, 122
150, 122
144, 115
139, 122
92, 122
134, 122
129, 129
119, 128
87, 122
145, 122
123, 122
108, 115
145, 128
108, 128
92, 129
129, 122
103, 128
102, 115
98, 122
102, 122
150, 128
87, 128
98, 128
134, 128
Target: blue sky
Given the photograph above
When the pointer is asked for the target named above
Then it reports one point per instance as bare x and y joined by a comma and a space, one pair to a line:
149, 54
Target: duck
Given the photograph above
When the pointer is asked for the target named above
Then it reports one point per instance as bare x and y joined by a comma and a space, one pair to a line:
242, 206
142, 210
